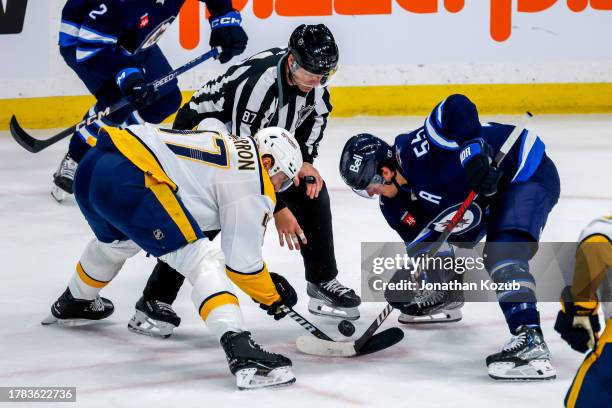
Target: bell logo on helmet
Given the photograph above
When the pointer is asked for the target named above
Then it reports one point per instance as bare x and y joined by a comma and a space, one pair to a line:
357, 164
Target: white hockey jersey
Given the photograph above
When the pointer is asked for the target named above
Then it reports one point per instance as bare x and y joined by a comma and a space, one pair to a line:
222, 184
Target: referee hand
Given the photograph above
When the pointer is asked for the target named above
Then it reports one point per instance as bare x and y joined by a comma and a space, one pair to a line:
312, 189
288, 229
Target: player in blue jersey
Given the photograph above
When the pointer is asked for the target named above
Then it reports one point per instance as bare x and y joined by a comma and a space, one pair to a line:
422, 180
112, 46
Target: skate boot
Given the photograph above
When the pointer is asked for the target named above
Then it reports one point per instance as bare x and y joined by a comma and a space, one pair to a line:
434, 306
253, 366
524, 357
63, 178
154, 318
69, 311
333, 299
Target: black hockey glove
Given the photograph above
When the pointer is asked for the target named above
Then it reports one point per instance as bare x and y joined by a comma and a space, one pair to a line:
578, 323
132, 83
287, 294
481, 176
227, 33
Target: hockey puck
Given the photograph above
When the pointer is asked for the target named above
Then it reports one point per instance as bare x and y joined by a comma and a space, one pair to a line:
346, 328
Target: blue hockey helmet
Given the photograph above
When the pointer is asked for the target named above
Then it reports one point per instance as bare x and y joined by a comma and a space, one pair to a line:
362, 157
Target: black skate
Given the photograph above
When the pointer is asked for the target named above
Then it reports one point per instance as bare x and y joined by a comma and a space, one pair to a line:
333, 299
524, 357
154, 318
63, 178
69, 311
253, 366
433, 306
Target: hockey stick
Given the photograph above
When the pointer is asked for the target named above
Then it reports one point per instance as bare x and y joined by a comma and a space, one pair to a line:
305, 323
323, 345
34, 145
363, 342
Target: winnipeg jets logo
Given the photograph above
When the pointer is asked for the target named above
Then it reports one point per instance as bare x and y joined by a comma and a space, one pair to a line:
303, 114
155, 34
470, 219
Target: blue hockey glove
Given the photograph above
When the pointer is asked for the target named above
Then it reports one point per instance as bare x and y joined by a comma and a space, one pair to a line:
578, 322
132, 83
481, 176
227, 33
288, 297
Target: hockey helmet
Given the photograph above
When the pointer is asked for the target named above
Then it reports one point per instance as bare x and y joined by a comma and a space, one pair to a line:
362, 157
284, 149
315, 50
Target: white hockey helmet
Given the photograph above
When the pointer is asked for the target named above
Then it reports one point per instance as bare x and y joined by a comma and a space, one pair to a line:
284, 149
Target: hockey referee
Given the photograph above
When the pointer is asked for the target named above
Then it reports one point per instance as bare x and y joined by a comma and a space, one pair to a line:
283, 87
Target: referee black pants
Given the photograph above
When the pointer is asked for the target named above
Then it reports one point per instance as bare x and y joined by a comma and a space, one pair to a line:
314, 216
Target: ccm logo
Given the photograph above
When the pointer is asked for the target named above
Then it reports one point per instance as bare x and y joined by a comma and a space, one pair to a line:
225, 21
357, 164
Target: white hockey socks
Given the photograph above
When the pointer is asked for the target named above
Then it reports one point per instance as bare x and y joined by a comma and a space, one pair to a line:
99, 264
203, 264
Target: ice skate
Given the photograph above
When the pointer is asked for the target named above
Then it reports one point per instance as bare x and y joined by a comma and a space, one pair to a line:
525, 357
154, 318
434, 306
253, 366
333, 299
63, 179
69, 311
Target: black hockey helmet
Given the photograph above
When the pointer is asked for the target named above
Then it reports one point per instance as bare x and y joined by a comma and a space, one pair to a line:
362, 157
314, 49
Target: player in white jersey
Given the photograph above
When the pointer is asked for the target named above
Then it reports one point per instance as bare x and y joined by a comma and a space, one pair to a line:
158, 190
578, 320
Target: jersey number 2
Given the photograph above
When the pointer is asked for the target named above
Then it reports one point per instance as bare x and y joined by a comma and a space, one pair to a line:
98, 12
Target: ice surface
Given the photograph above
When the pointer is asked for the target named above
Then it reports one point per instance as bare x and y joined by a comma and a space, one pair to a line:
441, 366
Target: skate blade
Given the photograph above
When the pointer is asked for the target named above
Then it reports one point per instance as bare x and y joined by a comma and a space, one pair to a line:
441, 316
248, 379
320, 308
536, 370
49, 320
58, 194
140, 323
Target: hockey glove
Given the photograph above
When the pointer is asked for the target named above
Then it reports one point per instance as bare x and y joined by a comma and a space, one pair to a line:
132, 83
287, 294
227, 33
578, 322
481, 176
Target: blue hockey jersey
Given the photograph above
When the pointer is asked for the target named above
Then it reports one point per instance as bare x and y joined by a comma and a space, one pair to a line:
110, 34
428, 158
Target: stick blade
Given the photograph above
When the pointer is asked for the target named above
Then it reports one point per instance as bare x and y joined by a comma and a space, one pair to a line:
318, 347
21, 136
381, 341
325, 348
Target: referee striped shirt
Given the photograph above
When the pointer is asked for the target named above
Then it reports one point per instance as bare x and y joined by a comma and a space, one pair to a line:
255, 94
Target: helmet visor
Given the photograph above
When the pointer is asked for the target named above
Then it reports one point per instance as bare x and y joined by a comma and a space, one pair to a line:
308, 79
370, 190
285, 185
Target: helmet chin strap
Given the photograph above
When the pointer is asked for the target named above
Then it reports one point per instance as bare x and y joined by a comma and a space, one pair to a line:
396, 184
